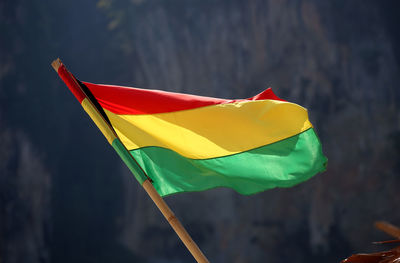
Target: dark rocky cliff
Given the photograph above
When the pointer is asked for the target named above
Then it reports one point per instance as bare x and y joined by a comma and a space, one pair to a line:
339, 59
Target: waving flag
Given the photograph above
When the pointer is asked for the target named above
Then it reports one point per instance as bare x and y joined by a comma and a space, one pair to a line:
193, 143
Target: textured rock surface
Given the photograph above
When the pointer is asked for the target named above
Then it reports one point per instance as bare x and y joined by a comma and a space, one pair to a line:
25, 200
339, 59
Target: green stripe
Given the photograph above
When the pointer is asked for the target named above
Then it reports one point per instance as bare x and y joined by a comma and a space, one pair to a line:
281, 164
129, 161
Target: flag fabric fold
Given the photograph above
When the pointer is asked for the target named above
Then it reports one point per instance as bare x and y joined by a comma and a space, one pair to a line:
190, 143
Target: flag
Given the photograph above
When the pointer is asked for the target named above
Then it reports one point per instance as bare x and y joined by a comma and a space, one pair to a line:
188, 143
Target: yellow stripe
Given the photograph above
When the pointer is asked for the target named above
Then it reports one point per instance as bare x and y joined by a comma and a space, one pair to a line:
98, 119
213, 131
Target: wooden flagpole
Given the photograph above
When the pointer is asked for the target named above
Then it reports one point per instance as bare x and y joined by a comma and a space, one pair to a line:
125, 155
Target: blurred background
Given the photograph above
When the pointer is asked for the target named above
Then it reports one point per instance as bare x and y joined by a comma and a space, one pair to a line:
66, 197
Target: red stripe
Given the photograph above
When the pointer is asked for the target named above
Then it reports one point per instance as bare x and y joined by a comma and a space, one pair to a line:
133, 101
71, 83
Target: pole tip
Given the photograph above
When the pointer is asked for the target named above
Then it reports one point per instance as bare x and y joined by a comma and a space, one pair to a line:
388, 228
56, 64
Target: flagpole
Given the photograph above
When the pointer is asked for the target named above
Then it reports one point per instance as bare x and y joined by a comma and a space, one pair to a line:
128, 159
